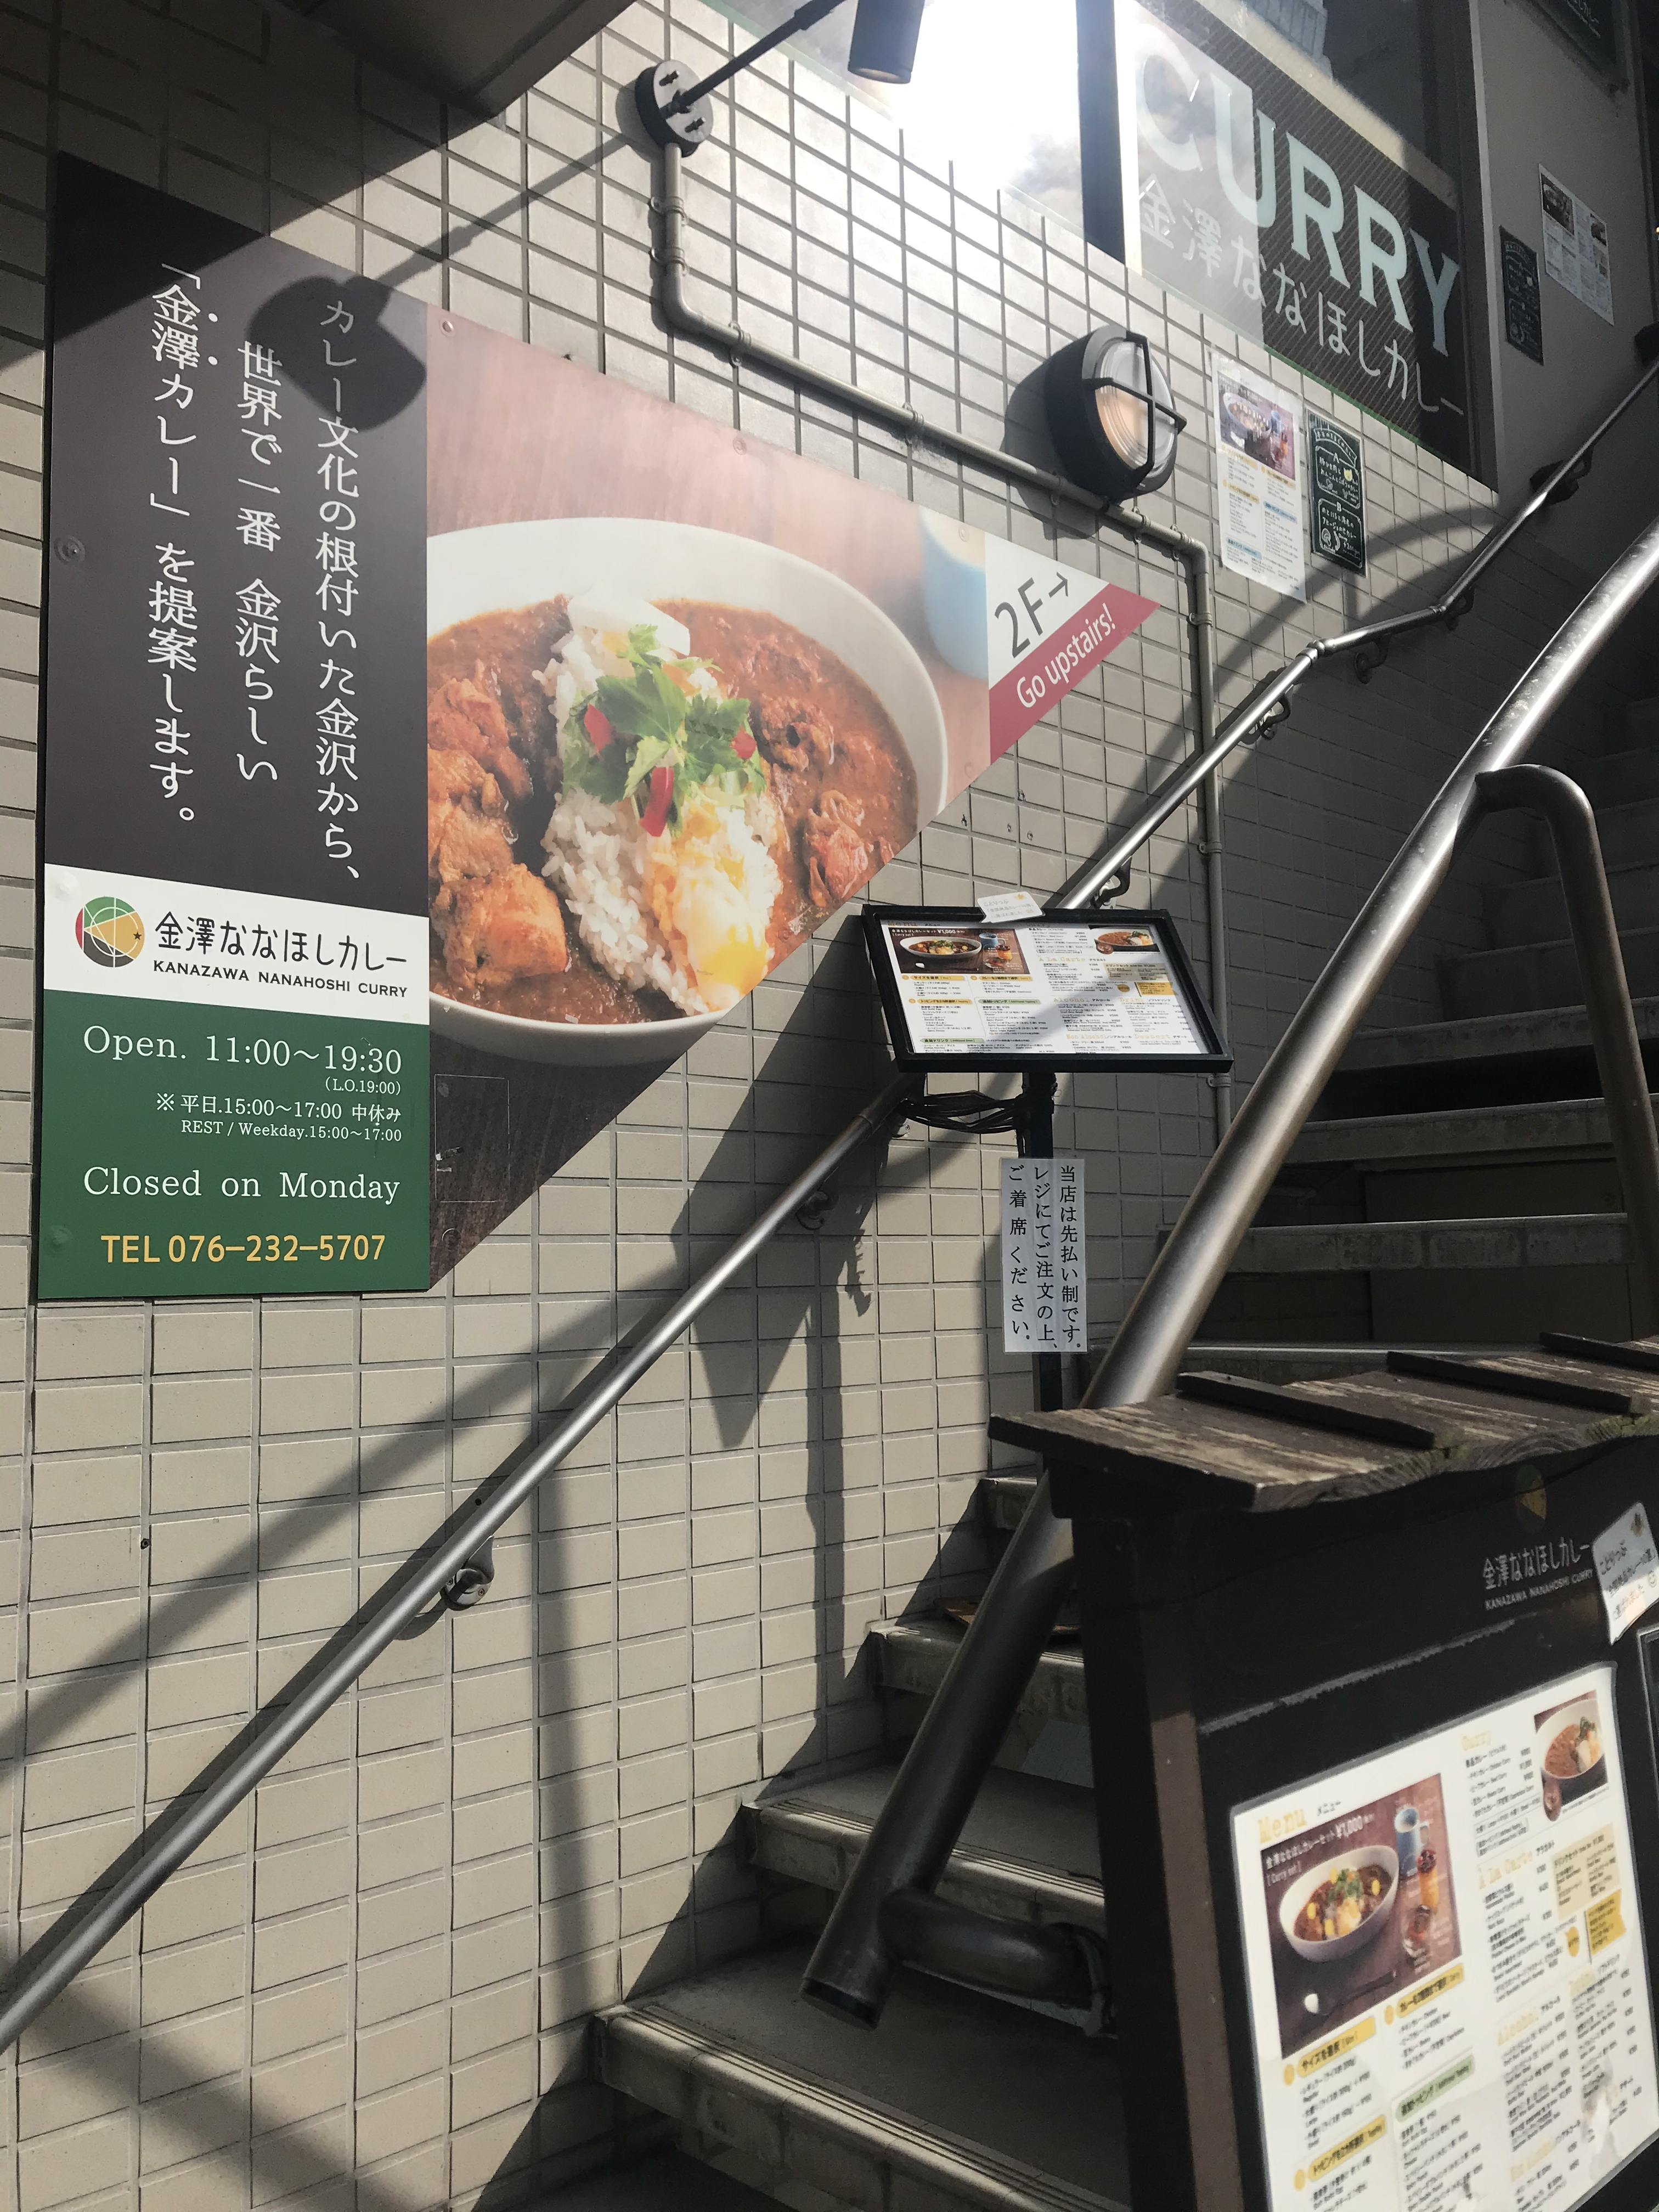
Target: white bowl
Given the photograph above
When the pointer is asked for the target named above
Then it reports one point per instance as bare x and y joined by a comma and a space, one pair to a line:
1572, 1785
1340, 1946
515, 564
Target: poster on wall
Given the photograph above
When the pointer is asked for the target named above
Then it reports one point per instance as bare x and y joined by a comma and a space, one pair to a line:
1259, 452
1576, 252
1243, 178
413, 692
1446, 1971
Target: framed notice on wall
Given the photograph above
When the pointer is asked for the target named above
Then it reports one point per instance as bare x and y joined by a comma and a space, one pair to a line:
440, 738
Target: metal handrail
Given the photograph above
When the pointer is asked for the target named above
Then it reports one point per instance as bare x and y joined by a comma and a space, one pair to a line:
1273, 694
426, 1575
35, 1982
915, 1832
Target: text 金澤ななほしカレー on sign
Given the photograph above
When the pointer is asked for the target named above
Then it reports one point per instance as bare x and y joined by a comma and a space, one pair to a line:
419, 699
233, 959
1231, 169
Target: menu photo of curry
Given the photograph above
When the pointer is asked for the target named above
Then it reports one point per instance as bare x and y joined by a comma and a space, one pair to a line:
687, 694
1359, 1909
956, 949
1570, 1753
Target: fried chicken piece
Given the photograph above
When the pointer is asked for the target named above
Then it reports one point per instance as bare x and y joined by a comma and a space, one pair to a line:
459, 788
837, 859
499, 927
792, 736
473, 845
464, 715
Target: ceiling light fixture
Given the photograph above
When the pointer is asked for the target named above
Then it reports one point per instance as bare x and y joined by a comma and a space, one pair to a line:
1111, 414
676, 111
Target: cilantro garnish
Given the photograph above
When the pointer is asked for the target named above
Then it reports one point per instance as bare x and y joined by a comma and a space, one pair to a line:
654, 724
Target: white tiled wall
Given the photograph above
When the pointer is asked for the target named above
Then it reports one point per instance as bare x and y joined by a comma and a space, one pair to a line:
384, 1963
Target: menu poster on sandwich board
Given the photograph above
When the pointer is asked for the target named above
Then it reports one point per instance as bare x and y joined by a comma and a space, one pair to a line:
1447, 1979
1061, 991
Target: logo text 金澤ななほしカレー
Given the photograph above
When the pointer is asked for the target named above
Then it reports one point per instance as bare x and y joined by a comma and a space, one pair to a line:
110, 932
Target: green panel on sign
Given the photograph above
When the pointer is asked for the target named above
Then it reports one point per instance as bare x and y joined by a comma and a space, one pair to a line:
197, 1151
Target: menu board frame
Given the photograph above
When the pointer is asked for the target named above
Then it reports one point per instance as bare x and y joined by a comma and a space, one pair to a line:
1388, 2044
1215, 1058
1259, 1754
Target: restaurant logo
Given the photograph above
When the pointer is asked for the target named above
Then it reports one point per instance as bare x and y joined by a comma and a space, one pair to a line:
110, 932
1249, 184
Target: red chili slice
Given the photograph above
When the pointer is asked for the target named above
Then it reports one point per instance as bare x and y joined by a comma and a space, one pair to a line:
743, 745
598, 726
654, 820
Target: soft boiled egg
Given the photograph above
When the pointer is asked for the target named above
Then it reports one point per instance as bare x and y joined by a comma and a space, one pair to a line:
613, 614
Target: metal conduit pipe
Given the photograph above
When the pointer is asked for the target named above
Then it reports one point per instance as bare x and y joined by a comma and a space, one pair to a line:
911, 1841
1191, 552
38, 1980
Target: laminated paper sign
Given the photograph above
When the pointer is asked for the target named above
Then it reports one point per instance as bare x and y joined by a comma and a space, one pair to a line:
1259, 443
440, 738
1044, 1278
1576, 252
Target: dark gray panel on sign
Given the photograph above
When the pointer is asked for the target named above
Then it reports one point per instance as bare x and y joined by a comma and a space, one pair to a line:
1336, 473
1523, 305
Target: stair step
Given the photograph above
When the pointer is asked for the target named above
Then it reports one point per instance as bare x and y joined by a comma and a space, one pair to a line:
914, 1656
1538, 977
1533, 912
1629, 833
957, 2102
1029, 1850
1626, 774
1527, 1032
1557, 1125
1342, 1247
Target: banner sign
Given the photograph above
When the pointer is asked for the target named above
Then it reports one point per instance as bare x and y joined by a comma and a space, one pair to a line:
1252, 185
416, 699
233, 949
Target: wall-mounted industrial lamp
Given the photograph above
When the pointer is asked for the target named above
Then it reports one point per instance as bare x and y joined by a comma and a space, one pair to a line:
1111, 414
676, 109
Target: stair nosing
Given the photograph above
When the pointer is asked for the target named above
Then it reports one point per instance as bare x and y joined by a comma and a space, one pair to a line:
1074, 1894
973, 2172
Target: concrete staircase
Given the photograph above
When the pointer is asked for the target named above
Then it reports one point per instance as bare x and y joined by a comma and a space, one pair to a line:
1458, 1187
958, 2102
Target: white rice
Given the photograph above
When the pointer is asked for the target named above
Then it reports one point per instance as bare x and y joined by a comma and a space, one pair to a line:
602, 861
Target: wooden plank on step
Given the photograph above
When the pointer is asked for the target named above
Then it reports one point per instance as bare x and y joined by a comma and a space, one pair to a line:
1642, 1356
1517, 1378
1276, 1402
